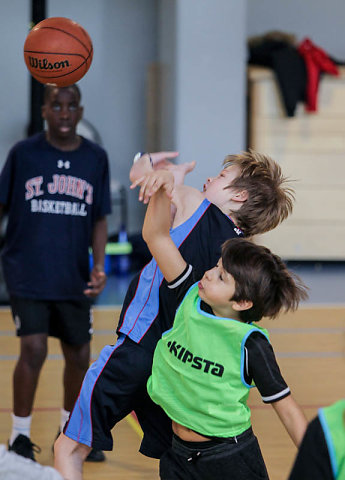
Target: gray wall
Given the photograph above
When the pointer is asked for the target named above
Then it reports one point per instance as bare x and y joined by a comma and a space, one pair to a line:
203, 71
201, 47
320, 20
14, 78
124, 36
206, 90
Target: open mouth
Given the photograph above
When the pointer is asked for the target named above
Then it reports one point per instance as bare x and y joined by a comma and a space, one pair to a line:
64, 128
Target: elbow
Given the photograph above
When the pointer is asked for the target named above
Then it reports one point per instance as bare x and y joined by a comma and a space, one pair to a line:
151, 238
148, 240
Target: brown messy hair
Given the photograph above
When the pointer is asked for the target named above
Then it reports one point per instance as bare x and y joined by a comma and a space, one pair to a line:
269, 201
262, 278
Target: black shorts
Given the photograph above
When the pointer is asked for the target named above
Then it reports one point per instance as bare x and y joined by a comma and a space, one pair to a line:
113, 386
214, 460
70, 321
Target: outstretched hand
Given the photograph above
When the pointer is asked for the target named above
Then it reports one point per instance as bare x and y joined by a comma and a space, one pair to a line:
150, 183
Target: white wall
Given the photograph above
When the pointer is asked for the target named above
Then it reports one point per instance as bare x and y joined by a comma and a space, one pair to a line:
320, 20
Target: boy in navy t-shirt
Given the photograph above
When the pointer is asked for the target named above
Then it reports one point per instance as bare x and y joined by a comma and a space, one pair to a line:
54, 188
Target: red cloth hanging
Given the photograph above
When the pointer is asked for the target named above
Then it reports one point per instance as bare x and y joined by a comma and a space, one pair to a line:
316, 61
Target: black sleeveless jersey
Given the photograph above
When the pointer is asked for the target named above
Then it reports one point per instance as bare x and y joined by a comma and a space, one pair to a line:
149, 306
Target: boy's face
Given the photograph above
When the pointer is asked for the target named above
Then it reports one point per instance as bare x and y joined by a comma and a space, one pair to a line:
216, 288
215, 188
62, 113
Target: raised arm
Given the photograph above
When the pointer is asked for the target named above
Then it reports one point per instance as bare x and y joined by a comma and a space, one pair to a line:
156, 228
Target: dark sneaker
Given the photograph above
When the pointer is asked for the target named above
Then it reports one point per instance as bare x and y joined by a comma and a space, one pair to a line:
95, 456
23, 446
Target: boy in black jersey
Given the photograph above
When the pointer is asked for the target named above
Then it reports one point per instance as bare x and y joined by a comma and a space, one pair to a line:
203, 367
116, 383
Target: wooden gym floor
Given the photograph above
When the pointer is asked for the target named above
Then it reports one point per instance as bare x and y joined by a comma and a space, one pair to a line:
310, 348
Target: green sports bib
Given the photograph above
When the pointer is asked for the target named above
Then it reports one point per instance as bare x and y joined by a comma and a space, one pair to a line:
197, 375
332, 419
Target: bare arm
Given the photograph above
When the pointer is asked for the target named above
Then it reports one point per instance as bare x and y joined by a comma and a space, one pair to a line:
156, 229
97, 275
292, 417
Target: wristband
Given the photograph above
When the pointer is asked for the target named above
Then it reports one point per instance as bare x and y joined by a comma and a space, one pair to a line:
138, 156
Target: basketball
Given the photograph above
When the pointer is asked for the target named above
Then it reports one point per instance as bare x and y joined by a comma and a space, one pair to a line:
58, 51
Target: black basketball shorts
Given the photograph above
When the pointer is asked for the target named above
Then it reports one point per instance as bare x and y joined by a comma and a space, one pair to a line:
70, 321
114, 385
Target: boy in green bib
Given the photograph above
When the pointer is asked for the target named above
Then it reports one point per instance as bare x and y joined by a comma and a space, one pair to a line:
205, 365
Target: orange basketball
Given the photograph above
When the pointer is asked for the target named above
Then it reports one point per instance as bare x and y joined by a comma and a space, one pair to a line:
58, 51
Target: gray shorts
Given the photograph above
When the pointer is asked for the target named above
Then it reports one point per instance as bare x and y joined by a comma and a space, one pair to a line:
70, 321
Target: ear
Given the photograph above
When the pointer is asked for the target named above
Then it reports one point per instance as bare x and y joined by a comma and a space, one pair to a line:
43, 111
240, 196
242, 305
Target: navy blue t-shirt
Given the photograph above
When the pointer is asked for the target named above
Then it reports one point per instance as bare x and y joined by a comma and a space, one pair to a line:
52, 199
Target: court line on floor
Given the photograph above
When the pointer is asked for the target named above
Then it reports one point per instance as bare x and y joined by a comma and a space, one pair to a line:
133, 416
303, 354
275, 330
277, 353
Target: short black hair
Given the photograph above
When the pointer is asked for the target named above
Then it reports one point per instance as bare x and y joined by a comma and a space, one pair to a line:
49, 87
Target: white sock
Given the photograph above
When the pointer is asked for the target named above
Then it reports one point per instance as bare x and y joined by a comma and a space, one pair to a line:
20, 426
63, 419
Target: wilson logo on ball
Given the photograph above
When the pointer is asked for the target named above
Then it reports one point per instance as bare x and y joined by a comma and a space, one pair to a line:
44, 64
58, 51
